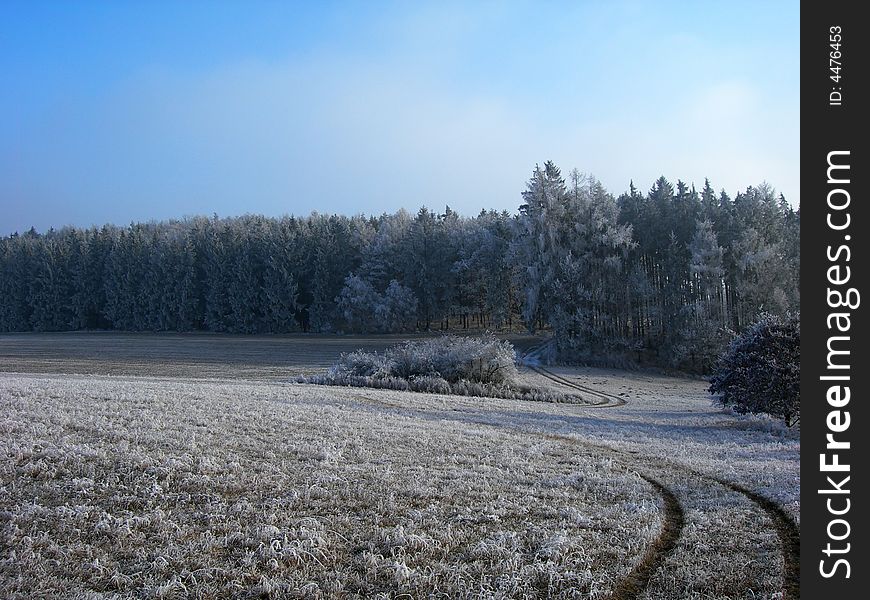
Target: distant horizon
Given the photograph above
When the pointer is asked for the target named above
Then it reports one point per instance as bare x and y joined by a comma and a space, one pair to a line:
131, 112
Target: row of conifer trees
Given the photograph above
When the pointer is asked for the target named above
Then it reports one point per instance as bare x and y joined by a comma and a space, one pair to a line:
663, 277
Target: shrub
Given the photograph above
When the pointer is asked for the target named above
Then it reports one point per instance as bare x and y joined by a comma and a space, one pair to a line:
430, 384
482, 359
361, 364
448, 358
466, 366
760, 370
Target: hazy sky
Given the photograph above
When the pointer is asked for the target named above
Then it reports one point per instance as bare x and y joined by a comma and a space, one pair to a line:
132, 111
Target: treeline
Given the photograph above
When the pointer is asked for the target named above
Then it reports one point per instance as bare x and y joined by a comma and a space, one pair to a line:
665, 277
661, 277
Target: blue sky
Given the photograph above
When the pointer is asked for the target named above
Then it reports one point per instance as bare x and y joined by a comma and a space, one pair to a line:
133, 111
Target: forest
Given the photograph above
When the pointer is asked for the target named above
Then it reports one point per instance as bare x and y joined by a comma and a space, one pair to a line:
665, 277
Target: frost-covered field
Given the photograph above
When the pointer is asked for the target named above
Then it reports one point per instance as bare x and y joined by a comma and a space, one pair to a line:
230, 488
130, 486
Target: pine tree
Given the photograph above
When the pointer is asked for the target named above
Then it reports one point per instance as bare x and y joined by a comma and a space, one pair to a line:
703, 333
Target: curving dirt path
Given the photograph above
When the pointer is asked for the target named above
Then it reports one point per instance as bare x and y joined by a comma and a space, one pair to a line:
607, 400
529, 359
638, 579
786, 529
633, 585
674, 519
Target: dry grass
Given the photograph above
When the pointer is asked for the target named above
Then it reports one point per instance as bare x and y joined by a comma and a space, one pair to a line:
188, 489
129, 486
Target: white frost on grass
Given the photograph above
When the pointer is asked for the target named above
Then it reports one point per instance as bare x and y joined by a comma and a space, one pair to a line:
139, 486
161, 488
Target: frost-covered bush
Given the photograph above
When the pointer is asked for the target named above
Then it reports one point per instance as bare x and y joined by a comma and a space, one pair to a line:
359, 363
760, 371
429, 383
482, 359
466, 366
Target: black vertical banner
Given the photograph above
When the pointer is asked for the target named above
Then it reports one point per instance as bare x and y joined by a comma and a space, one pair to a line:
835, 225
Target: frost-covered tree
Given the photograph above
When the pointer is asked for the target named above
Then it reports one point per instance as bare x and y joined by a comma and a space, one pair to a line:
280, 290
760, 371
15, 271
655, 276
359, 303
217, 264
537, 246
494, 269
398, 309
588, 313
383, 257
428, 265
364, 309
125, 277
704, 320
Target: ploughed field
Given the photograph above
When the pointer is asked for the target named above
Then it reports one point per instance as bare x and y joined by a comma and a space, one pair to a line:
199, 355
175, 466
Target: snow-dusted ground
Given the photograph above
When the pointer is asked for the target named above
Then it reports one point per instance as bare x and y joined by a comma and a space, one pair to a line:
675, 419
159, 484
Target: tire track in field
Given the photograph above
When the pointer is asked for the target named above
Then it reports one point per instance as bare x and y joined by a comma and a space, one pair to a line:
674, 519
607, 400
637, 580
786, 529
